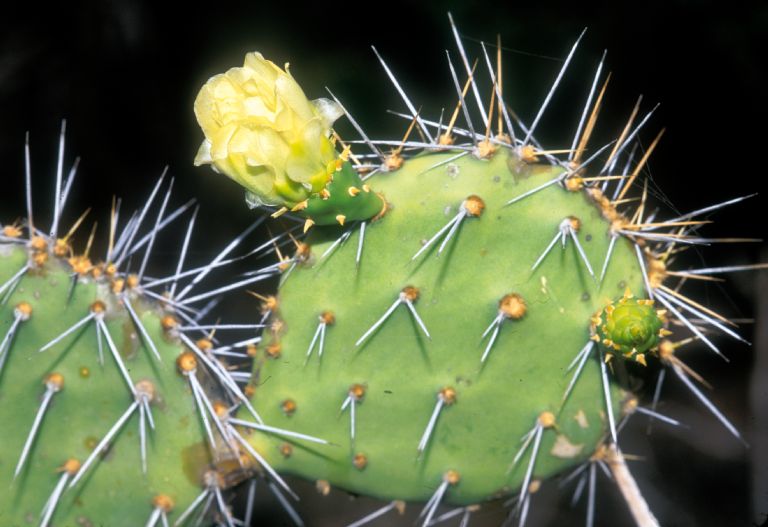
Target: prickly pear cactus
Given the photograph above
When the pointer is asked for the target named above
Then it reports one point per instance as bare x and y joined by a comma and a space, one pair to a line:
458, 319
472, 334
114, 387
457, 346
78, 375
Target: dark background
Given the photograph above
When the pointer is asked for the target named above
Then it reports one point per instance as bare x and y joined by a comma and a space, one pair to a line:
125, 73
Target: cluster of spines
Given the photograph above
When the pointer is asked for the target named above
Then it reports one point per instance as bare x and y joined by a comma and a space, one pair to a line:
218, 376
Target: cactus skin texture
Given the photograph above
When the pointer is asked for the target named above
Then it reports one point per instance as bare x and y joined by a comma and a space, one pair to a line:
92, 399
496, 401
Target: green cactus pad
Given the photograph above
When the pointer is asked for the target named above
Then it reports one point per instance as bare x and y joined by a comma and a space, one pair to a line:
93, 397
486, 407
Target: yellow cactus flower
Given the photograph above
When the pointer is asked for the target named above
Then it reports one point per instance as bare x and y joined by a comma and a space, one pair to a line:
262, 131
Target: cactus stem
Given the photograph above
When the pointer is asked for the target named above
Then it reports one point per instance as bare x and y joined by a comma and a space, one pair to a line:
54, 383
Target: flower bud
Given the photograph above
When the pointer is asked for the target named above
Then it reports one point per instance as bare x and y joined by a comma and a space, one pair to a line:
262, 132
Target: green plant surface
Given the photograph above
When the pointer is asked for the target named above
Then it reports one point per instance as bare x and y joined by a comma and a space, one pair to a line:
114, 491
497, 402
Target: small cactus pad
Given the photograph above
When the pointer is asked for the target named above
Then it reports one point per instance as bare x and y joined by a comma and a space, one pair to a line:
629, 326
75, 398
446, 347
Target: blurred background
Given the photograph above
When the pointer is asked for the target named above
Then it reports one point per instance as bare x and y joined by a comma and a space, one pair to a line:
124, 73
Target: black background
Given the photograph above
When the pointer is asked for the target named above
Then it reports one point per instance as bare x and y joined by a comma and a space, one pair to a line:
124, 75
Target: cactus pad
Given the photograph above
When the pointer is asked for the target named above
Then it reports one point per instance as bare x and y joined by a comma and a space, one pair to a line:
423, 361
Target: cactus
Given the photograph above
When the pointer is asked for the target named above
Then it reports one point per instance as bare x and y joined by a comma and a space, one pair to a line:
103, 418
457, 326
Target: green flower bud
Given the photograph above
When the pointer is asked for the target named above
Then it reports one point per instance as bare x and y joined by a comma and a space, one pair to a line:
629, 326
